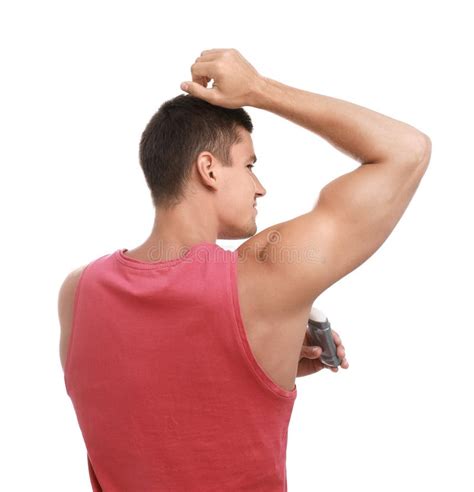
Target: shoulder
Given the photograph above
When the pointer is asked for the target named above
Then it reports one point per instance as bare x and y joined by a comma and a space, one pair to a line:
69, 284
66, 297
67, 291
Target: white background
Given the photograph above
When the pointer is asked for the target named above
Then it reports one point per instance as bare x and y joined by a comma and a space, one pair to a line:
79, 82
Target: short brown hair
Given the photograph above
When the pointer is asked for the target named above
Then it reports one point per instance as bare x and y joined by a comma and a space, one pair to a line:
171, 142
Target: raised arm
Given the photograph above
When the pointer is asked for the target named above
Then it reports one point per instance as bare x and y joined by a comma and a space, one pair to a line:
365, 135
356, 212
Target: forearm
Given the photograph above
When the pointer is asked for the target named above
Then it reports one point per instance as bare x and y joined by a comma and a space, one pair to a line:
363, 134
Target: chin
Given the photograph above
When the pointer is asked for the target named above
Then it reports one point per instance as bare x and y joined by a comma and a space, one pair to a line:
252, 231
239, 232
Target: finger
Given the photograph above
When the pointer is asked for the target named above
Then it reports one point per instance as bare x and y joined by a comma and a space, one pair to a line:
344, 363
311, 352
203, 69
206, 58
214, 50
342, 357
336, 337
316, 352
197, 90
201, 80
341, 352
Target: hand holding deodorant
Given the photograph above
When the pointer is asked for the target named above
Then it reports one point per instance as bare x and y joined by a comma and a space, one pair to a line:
320, 333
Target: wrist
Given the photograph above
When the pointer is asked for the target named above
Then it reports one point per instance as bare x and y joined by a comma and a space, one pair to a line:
273, 96
260, 94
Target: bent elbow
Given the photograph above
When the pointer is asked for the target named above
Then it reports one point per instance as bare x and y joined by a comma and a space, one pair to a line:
424, 150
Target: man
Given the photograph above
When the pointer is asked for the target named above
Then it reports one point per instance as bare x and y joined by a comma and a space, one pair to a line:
183, 358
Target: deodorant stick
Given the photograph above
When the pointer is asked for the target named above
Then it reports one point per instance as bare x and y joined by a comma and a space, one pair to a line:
320, 334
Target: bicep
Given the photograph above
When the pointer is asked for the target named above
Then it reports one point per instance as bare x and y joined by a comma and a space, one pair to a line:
352, 218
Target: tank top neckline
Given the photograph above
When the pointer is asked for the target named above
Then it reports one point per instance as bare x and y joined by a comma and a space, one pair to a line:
146, 265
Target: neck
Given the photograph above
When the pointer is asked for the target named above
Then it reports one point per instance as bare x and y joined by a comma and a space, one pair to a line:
175, 230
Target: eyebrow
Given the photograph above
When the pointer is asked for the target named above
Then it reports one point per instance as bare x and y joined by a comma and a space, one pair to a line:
254, 157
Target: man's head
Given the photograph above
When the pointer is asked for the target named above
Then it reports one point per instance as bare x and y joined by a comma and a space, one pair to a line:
195, 154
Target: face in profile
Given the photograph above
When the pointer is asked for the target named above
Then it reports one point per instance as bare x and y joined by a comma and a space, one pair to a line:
238, 194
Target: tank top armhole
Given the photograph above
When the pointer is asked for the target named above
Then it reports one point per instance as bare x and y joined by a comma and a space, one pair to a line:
242, 338
71, 335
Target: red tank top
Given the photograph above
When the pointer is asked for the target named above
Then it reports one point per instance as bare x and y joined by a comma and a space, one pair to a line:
167, 392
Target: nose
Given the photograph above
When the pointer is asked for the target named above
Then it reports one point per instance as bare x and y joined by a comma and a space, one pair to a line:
259, 189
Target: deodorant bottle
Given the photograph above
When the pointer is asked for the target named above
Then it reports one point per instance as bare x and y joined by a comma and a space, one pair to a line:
320, 334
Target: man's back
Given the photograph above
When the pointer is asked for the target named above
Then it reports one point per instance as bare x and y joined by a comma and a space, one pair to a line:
164, 383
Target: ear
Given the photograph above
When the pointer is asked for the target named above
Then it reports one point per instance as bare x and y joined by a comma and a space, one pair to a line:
208, 169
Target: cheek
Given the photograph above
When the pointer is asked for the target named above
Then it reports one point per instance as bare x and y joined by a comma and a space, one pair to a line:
228, 198
236, 188
232, 200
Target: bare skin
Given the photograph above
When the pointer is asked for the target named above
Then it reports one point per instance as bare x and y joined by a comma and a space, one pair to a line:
354, 214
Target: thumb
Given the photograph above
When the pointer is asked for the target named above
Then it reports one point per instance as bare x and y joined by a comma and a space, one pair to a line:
311, 352
196, 90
